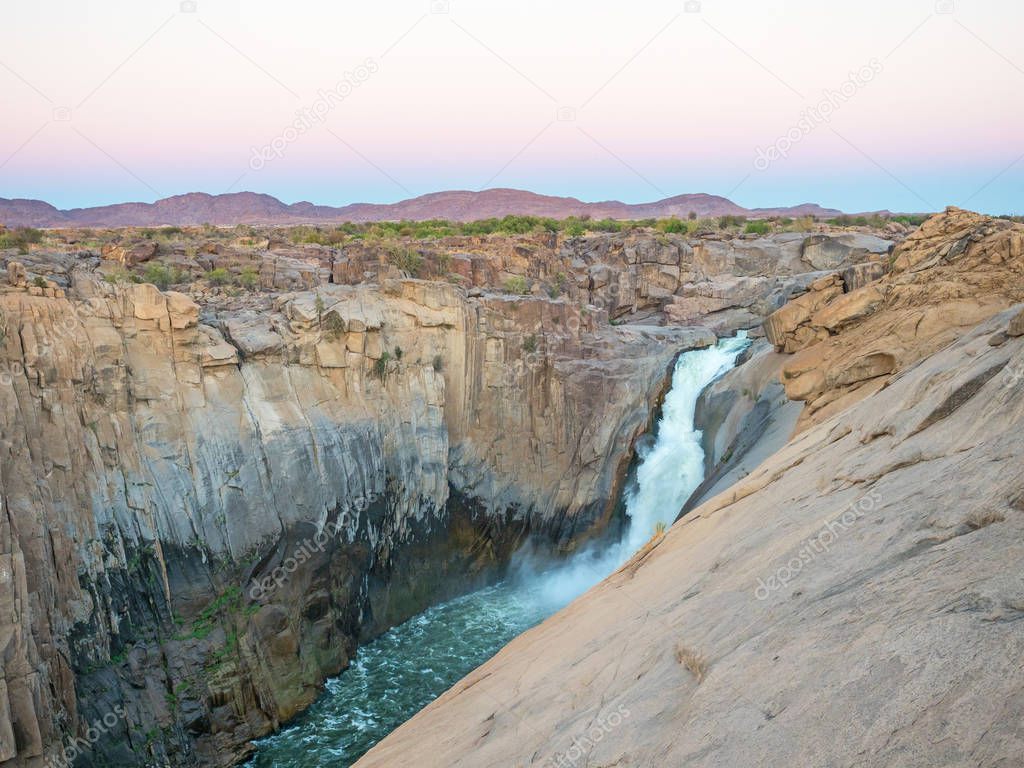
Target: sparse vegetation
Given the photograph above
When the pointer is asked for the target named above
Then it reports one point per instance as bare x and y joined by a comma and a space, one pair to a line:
517, 284
162, 276
248, 278
530, 344
694, 662
218, 276
380, 366
406, 259
20, 238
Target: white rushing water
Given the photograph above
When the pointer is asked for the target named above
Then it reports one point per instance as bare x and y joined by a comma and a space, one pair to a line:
408, 666
669, 470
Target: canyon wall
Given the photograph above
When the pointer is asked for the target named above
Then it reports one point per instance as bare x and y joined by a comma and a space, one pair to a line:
856, 597
200, 521
211, 495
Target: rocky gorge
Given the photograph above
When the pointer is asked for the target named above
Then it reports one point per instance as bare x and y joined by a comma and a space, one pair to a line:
845, 585
212, 496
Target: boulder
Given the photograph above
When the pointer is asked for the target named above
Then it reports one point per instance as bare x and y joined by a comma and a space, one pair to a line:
1016, 326
253, 334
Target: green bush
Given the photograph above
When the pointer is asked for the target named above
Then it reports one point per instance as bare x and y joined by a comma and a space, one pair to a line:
517, 284
727, 221
406, 259
218, 276
380, 366
758, 228
530, 344
249, 278
162, 276
20, 238
673, 226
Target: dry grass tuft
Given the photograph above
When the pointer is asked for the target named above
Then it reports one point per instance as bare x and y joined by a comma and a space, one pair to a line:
981, 518
693, 661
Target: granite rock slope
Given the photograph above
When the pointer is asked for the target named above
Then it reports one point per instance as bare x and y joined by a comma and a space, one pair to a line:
854, 600
211, 495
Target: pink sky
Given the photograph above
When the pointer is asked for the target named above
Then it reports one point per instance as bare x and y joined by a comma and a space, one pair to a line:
118, 100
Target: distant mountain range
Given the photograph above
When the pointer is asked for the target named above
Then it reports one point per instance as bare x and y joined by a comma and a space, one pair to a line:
252, 208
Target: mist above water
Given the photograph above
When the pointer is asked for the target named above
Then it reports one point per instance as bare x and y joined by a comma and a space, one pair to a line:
669, 469
410, 665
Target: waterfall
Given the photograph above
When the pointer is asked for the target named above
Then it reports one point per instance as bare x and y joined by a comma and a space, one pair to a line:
411, 664
668, 471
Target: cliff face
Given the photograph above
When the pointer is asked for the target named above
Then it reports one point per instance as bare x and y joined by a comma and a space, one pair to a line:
957, 269
199, 520
856, 597
211, 495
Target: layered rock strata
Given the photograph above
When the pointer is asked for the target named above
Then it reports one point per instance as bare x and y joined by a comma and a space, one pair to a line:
201, 519
856, 597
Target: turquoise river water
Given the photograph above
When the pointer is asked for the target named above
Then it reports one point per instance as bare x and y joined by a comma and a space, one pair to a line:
407, 667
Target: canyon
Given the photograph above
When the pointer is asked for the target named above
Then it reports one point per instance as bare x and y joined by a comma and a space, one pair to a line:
849, 592
215, 490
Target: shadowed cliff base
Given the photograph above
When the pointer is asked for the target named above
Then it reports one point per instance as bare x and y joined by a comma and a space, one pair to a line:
853, 597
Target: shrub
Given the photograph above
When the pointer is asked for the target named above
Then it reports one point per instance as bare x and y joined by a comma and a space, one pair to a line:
398, 353
162, 276
530, 343
311, 235
20, 238
517, 284
380, 366
727, 221
218, 276
758, 228
249, 278
573, 228
406, 259
673, 226
38, 282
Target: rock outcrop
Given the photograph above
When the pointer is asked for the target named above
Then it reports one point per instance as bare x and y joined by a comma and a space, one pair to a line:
212, 494
957, 269
202, 516
855, 597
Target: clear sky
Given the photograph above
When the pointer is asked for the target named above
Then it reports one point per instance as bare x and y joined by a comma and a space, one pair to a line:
899, 104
